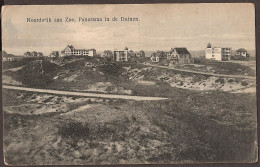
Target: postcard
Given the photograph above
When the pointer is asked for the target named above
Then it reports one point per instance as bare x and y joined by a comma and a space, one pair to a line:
129, 84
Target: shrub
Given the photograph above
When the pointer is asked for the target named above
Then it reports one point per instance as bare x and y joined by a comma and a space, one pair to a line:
230, 80
199, 60
74, 129
242, 58
111, 88
112, 69
37, 72
76, 64
244, 83
181, 83
89, 101
220, 80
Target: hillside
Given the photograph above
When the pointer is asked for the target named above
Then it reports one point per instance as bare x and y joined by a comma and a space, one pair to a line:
91, 75
205, 118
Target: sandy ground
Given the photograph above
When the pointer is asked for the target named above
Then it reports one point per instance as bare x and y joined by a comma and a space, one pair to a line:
41, 143
10, 81
192, 82
85, 94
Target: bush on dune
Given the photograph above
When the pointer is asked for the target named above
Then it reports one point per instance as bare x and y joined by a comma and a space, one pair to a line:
37, 72
76, 64
112, 69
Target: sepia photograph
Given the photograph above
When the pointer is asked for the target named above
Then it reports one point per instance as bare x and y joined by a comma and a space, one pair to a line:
103, 84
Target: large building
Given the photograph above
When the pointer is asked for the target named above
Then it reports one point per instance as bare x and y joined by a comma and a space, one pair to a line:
218, 53
121, 55
242, 52
71, 51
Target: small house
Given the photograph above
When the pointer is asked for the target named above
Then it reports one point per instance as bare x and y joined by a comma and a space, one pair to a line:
242, 52
158, 56
34, 54
27, 54
180, 56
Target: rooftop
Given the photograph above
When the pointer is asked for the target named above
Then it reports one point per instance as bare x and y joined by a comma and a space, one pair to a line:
241, 50
182, 50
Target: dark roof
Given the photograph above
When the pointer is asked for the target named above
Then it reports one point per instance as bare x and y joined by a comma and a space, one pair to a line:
8, 55
70, 46
209, 45
241, 50
182, 50
158, 53
12, 56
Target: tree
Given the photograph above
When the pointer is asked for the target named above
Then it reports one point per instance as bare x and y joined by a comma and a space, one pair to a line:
108, 53
39, 54
54, 54
142, 53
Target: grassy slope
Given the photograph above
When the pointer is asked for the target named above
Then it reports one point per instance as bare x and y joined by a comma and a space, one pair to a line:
193, 126
225, 67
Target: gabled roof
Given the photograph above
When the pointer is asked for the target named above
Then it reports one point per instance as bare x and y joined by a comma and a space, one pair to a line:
241, 50
182, 50
69, 46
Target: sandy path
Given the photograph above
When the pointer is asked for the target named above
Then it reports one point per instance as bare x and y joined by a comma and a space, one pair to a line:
84, 94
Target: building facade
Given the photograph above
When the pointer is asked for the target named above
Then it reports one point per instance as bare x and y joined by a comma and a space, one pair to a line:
218, 53
121, 55
33, 54
71, 51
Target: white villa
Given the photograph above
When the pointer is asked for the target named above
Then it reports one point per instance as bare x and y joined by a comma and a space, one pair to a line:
218, 53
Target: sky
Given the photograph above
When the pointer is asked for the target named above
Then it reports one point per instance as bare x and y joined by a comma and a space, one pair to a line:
159, 27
